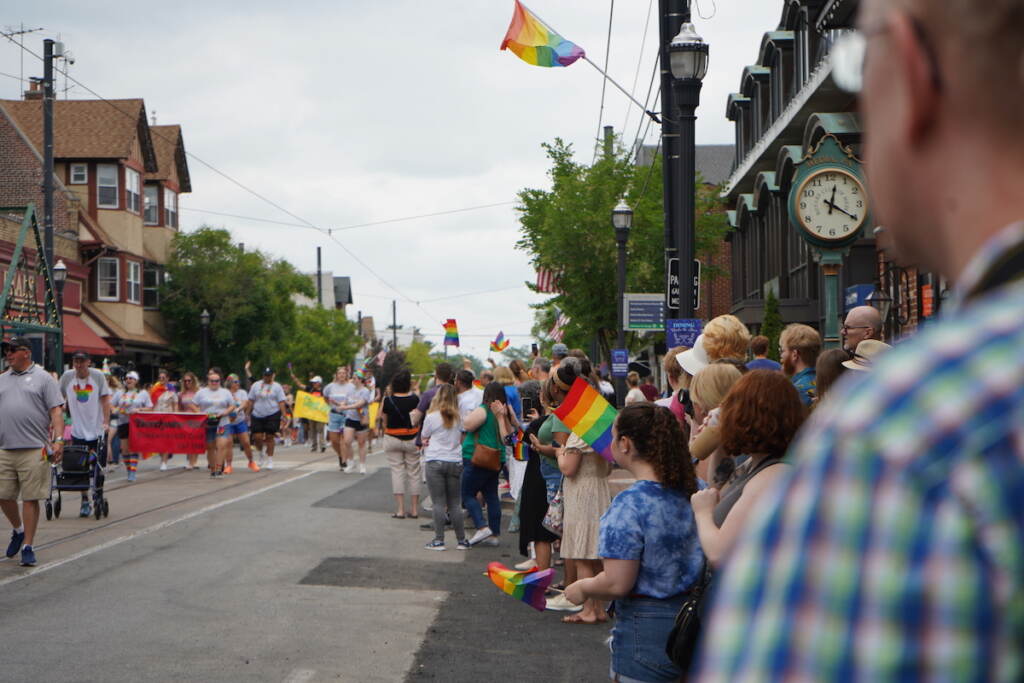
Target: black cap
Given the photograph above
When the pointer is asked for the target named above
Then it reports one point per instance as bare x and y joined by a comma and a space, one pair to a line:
268, 371
16, 343
80, 355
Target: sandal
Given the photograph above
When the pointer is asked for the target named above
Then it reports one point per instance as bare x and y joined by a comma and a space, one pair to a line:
413, 516
397, 516
577, 619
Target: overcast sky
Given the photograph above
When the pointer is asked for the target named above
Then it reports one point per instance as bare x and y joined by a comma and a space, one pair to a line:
356, 111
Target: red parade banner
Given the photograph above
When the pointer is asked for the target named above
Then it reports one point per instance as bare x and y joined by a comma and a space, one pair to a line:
167, 433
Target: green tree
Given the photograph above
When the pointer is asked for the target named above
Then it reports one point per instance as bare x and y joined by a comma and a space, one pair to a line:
568, 229
771, 326
417, 357
319, 341
247, 293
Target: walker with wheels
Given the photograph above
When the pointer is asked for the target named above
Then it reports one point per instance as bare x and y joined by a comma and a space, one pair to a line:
80, 469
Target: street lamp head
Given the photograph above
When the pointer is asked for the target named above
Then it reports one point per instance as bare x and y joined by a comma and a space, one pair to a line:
60, 272
622, 216
204, 317
881, 301
688, 54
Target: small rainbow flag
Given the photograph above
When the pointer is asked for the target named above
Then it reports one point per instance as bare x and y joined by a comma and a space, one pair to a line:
451, 333
534, 43
500, 343
519, 451
477, 384
527, 586
589, 416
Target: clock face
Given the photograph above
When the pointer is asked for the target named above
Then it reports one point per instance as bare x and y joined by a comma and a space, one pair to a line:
831, 205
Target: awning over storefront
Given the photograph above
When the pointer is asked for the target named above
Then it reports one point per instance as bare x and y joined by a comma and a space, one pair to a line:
78, 337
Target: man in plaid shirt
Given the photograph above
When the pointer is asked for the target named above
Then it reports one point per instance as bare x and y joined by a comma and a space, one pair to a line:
895, 549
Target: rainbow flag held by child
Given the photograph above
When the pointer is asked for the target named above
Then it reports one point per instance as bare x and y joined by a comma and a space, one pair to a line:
451, 333
528, 586
500, 343
589, 416
534, 43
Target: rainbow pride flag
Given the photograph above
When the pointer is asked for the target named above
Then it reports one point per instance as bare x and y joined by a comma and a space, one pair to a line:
589, 416
477, 384
534, 43
519, 451
526, 586
451, 333
500, 343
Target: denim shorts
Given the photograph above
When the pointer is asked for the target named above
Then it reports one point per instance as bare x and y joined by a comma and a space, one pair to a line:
638, 639
552, 478
237, 428
336, 422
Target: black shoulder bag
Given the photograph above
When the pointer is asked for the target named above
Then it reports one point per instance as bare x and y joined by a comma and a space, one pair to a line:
682, 639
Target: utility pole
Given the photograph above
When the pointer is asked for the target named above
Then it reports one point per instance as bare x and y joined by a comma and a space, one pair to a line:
319, 281
672, 14
394, 324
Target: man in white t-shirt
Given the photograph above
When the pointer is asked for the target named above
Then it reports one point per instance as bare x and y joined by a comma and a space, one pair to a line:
470, 398
87, 400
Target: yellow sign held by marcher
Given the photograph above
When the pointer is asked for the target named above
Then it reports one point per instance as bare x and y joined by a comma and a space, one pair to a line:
311, 407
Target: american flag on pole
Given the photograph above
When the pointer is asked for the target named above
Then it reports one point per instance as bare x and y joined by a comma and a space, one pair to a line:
557, 332
547, 281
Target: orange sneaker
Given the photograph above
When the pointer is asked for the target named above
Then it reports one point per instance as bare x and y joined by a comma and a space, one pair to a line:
228, 469
253, 466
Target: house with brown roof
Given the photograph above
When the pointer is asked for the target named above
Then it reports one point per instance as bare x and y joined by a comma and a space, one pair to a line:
125, 176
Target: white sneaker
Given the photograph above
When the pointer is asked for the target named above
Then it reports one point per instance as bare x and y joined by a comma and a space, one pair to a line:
492, 541
526, 565
560, 603
480, 535
349, 468
362, 468
163, 467
269, 465
262, 460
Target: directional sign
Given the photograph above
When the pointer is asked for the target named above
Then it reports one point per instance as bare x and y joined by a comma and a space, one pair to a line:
643, 312
620, 362
682, 332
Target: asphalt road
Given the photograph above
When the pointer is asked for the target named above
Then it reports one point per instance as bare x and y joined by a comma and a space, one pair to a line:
296, 575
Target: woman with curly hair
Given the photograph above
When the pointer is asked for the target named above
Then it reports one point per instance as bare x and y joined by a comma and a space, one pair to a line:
759, 417
649, 543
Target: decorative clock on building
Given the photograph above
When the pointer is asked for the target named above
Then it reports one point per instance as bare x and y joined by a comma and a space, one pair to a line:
831, 205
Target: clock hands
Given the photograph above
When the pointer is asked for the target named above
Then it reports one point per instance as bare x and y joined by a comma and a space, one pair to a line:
832, 205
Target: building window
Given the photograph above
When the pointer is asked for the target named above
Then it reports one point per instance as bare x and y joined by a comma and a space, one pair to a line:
151, 276
79, 174
108, 279
151, 216
170, 209
134, 282
106, 186
132, 190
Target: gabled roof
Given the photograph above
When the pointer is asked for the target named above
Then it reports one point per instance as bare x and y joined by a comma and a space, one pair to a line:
714, 162
170, 153
88, 129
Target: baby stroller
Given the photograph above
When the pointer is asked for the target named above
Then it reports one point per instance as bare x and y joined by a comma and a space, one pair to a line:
80, 469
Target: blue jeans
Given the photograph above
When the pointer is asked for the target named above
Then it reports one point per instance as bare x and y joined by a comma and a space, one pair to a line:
476, 480
638, 639
115, 450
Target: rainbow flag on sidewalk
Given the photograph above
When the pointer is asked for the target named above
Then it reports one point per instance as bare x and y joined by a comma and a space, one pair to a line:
527, 586
534, 43
589, 416
451, 333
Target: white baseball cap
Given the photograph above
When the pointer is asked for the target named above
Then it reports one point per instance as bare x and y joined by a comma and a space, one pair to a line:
132, 375
317, 379
694, 360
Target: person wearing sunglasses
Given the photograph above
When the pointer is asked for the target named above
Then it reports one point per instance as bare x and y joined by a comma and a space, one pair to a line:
219, 406
862, 322
894, 551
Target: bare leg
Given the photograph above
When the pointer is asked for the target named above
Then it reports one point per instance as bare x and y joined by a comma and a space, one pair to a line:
543, 551
336, 444
415, 505
12, 512
30, 513
223, 450
246, 446
349, 436
211, 455
400, 504
361, 438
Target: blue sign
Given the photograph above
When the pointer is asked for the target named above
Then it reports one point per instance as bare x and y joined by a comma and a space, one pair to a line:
682, 332
856, 295
620, 362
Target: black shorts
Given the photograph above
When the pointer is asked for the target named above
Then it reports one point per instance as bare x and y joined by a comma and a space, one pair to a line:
122, 432
266, 425
356, 425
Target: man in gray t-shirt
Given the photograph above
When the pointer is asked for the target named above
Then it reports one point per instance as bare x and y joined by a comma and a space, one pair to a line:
31, 420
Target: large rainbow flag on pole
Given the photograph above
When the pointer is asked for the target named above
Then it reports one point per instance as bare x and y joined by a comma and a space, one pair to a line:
451, 333
589, 416
527, 586
534, 43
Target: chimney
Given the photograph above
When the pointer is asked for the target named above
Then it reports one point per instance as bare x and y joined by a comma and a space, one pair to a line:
35, 89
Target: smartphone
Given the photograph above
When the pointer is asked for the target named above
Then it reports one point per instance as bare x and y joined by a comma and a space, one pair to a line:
528, 406
534, 350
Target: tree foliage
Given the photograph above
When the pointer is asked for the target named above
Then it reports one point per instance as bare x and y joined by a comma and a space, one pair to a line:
320, 340
771, 327
247, 293
568, 229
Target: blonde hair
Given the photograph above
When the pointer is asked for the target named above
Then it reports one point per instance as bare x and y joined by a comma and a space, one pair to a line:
504, 376
711, 384
803, 339
446, 402
726, 337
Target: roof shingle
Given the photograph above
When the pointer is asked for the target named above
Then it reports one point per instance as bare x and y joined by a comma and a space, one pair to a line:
170, 153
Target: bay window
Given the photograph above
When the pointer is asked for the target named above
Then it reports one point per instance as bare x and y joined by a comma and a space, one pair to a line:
107, 187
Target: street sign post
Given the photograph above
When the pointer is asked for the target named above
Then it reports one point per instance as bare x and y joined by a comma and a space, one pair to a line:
682, 332
620, 362
672, 284
643, 312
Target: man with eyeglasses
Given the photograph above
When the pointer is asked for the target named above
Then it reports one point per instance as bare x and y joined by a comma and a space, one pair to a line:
862, 322
895, 549
31, 434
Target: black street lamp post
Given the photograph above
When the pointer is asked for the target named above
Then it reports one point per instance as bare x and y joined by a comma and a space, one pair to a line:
204, 320
60, 276
688, 56
622, 221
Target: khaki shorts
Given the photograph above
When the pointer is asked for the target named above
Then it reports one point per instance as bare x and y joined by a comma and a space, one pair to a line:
24, 473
